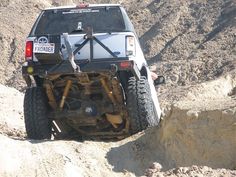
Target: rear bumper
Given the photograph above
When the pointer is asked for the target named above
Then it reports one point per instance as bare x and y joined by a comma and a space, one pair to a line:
103, 65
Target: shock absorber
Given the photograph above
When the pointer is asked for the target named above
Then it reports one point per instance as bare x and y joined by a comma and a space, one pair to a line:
65, 93
108, 91
114, 119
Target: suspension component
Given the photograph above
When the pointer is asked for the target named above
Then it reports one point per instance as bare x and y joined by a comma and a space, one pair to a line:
117, 90
65, 93
115, 120
49, 90
108, 91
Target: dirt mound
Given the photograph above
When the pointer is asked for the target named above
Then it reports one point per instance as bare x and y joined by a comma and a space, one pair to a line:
208, 94
203, 136
194, 132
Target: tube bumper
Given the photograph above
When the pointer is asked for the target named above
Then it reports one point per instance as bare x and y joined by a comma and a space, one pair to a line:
96, 66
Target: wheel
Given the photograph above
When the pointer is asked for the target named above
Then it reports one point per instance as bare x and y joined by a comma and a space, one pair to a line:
37, 124
140, 105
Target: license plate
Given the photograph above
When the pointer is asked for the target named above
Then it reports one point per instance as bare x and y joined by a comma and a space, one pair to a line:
44, 47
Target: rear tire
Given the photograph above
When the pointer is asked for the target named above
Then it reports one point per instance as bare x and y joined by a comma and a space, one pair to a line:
37, 124
140, 105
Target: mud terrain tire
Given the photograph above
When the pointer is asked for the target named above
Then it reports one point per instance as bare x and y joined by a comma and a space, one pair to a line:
36, 107
140, 105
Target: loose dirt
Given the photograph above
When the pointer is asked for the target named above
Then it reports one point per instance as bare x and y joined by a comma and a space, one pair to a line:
191, 43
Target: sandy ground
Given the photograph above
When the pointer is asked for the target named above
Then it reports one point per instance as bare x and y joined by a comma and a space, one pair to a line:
190, 142
11, 111
22, 157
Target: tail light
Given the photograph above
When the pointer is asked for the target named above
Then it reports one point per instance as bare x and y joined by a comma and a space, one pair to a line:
126, 65
29, 50
130, 46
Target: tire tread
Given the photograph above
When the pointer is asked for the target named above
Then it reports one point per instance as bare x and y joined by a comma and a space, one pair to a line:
37, 123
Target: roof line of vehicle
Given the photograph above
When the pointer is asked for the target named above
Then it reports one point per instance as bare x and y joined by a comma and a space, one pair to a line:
74, 6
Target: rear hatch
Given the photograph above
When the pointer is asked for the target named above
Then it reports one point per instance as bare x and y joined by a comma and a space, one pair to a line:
108, 25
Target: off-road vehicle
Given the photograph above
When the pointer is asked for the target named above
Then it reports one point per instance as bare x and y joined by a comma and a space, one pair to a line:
87, 75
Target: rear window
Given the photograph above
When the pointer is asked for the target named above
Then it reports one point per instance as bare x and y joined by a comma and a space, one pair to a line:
101, 19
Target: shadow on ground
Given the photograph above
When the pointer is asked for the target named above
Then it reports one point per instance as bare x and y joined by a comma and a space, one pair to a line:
136, 156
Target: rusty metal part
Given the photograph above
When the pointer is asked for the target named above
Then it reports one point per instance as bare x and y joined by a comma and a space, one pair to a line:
83, 78
65, 93
87, 89
49, 91
103, 135
117, 90
108, 91
83, 122
114, 119
76, 117
85, 81
53, 77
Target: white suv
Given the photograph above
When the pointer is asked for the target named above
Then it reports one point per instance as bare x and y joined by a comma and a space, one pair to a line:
87, 75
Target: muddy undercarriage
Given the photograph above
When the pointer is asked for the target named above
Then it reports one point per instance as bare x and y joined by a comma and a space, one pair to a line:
89, 104
113, 101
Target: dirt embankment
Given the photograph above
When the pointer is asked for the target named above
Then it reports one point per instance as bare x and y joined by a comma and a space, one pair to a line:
190, 41
199, 130
16, 19
203, 136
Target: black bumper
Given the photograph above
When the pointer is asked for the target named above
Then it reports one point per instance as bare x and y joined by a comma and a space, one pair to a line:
101, 65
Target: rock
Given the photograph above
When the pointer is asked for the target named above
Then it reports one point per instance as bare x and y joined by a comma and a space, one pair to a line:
156, 166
